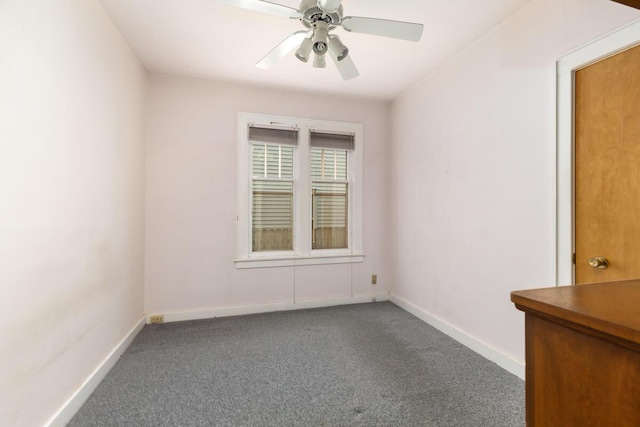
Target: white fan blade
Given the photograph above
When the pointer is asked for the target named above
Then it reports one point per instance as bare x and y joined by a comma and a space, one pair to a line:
346, 67
264, 6
383, 27
280, 51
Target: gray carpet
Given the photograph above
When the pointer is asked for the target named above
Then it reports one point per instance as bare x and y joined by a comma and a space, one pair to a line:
358, 365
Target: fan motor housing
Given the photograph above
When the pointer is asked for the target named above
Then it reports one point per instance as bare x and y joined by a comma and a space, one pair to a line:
312, 13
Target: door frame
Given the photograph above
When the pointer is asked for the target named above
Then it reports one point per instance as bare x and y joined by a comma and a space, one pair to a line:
608, 45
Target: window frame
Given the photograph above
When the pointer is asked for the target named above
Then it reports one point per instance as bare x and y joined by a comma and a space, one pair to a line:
302, 253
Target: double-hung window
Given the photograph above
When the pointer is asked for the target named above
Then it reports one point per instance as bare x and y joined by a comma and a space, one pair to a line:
330, 190
272, 182
299, 192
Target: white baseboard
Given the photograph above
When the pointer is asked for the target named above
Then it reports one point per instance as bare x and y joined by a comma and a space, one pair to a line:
71, 406
509, 364
268, 308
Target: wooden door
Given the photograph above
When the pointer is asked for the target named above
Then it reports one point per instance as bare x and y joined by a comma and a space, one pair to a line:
607, 169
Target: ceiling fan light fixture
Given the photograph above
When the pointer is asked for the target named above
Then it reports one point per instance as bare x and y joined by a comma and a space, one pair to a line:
304, 50
320, 48
319, 17
320, 61
337, 49
320, 37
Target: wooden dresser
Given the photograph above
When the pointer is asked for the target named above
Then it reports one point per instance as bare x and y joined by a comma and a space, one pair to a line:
582, 354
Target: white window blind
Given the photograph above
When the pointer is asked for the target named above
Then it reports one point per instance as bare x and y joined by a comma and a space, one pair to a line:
271, 161
328, 164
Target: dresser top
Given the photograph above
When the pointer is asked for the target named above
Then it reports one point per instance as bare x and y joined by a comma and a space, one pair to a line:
611, 308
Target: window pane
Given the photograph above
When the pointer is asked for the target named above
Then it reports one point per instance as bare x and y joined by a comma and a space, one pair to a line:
329, 203
272, 214
257, 160
271, 161
328, 164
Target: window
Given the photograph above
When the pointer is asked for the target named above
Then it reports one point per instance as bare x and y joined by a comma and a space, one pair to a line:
330, 190
299, 192
271, 188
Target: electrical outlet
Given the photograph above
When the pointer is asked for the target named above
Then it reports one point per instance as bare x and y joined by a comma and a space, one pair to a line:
156, 318
374, 279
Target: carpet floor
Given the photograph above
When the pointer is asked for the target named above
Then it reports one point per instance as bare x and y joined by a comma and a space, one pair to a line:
358, 365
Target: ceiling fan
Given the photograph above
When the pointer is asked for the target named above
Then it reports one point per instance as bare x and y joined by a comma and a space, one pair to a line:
320, 17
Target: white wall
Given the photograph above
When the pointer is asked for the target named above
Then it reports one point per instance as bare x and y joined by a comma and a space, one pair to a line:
72, 99
191, 198
473, 171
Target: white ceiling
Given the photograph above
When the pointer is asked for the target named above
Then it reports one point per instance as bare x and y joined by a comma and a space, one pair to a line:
210, 40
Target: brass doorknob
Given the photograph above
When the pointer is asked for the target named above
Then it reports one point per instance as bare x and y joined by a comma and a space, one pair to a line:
599, 262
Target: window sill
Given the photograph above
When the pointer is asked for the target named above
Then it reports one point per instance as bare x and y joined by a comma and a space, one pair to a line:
300, 260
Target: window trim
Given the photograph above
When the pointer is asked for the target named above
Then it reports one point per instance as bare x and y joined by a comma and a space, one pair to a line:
302, 253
